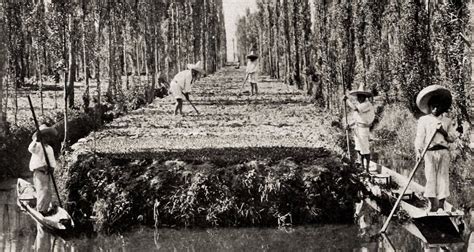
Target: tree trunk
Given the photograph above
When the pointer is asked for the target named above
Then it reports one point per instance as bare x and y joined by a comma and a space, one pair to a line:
286, 28
137, 49
3, 60
40, 81
71, 62
178, 38
125, 68
297, 77
97, 75
86, 94
111, 64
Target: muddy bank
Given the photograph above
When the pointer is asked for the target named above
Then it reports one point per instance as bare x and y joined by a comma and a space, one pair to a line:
208, 188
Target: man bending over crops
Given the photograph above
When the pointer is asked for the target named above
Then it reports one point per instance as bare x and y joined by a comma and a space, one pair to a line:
181, 84
39, 166
434, 100
364, 115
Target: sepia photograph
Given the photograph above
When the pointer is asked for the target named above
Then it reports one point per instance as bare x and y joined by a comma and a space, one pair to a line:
236, 125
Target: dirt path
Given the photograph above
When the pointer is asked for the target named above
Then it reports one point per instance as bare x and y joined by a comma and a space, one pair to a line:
279, 116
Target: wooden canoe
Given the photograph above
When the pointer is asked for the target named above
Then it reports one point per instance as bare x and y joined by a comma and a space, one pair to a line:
384, 186
60, 220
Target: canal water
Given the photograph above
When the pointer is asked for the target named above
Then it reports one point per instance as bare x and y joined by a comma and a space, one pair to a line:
18, 232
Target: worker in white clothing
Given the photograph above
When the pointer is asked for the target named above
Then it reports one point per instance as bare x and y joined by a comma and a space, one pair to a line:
180, 86
363, 116
252, 72
40, 169
434, 100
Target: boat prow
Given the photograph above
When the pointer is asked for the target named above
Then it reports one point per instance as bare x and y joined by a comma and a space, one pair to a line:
385, 186
60, 220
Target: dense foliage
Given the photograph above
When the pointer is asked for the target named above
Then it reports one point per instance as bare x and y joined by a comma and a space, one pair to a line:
395, 48
283, 186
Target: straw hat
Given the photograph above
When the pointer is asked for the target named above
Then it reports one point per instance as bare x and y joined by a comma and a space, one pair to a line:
252, 55
47, 131
361, 91
425, 95
197, 67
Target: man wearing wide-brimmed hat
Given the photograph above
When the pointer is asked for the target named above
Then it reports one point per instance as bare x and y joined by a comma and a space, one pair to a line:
434, 100
180, 86
39, 166
252, 72
363, 116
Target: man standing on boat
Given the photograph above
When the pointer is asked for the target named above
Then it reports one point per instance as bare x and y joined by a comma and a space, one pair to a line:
39, 166
180, 86
434, 101
364, 115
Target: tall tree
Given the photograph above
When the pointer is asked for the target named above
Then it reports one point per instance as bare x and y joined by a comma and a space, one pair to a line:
3, 61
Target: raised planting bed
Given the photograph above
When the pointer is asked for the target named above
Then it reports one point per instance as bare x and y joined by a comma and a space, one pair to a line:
265, 186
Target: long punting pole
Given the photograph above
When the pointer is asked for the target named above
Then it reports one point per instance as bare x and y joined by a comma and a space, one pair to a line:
44, 151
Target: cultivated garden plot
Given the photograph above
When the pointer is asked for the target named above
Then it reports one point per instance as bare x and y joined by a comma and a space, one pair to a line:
271, 159
228, 117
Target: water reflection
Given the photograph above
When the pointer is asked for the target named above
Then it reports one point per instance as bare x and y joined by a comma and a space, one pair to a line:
398, 238
19, 233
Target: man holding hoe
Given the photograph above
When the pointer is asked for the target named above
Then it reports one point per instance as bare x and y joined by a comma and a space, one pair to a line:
252, 72
180, 86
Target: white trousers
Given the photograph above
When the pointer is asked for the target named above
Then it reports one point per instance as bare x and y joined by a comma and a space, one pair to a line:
361, 139
43, 192
437, 174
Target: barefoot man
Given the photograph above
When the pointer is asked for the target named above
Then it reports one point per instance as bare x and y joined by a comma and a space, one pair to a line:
434, 100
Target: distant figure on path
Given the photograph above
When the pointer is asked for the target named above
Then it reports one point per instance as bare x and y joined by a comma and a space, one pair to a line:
364, 115
434, 100
181, 84
39, 167
252, 72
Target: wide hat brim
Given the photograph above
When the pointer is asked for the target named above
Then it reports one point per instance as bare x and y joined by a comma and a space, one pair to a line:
440, 92
47, 131
360, 92
196, 68
252, 56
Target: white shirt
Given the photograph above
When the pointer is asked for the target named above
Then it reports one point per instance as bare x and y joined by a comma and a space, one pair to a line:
184, 79
425, 128
37, 155
365, 113
251, 70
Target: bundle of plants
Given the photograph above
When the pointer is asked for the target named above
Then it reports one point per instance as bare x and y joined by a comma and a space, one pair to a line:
112, 193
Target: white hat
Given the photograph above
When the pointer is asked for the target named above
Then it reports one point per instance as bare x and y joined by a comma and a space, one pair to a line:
361, 91
196, 67
423, 98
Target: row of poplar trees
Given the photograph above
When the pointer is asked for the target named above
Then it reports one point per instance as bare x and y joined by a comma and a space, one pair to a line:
116, 41
394, 47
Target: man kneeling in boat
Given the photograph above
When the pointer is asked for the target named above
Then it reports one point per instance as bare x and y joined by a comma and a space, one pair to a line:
434, 100
39, 167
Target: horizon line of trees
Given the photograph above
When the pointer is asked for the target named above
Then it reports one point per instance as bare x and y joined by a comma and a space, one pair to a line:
394, 48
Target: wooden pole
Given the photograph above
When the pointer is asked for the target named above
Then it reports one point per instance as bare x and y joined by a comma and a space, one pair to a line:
399, 199
46, 158
345, 116
191, 104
